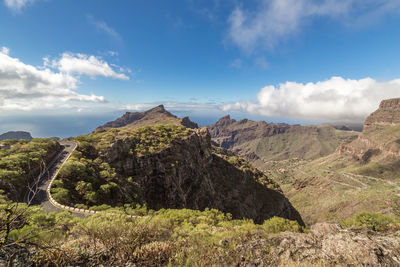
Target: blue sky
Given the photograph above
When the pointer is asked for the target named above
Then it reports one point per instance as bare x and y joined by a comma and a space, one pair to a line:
86, 62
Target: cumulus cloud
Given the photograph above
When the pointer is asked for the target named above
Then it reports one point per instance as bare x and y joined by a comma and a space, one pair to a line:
275, 20
336, 99
17, 5
26, 87
87, 65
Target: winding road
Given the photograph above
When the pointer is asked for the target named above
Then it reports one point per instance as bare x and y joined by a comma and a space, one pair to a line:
41, 196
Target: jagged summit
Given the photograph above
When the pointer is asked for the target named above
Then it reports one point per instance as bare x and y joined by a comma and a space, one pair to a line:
156, 115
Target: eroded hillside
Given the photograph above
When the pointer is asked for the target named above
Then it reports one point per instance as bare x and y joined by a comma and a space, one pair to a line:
361, 175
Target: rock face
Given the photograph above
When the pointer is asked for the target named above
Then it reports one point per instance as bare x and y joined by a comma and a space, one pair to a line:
388, 113
189, 174
326, 245
380, 137
16, 135
152, 116
260, 140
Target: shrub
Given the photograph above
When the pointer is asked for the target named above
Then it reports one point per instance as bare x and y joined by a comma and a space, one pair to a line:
278, 224
370, 220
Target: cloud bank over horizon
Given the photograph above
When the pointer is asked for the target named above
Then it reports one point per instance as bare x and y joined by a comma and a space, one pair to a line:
25, 87
336, 99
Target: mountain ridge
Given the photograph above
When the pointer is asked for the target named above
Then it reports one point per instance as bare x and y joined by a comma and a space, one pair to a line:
156, 115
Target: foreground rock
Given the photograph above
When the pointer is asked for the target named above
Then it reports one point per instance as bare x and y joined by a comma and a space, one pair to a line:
326, 245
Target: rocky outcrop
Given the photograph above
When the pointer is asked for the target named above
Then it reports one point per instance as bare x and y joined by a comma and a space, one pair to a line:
152, 116
189, 174
15, 135
388, 113
326, 245
227, 132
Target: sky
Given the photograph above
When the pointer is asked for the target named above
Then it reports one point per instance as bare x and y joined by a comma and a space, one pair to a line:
67, 67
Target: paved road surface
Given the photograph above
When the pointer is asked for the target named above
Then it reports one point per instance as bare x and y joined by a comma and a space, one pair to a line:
41, 197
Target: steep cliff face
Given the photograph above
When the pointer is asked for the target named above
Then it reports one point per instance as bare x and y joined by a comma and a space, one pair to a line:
263, 141
189, 174
388, 114
168, 166
380, 138
157, 115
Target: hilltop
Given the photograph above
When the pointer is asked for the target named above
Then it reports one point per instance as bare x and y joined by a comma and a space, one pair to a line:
157, 115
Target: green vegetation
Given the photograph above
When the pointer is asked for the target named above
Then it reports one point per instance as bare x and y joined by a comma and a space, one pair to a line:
146, 139
175, 237
87, 180
22, 162
370, 220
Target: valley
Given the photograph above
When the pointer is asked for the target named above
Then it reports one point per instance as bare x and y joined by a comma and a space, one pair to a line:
270, 193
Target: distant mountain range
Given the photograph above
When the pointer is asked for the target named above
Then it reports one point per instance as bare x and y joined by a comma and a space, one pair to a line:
15, 135
261, 141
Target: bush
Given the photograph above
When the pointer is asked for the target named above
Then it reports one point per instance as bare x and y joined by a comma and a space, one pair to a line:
370, 220
278, 224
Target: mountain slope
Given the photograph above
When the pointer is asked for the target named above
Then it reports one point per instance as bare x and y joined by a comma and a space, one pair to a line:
361, 175
260, 141
167, 166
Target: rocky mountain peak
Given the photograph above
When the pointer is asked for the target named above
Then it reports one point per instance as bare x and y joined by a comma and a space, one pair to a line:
226, 120
156, 115
393, 104
388, 113
158, 109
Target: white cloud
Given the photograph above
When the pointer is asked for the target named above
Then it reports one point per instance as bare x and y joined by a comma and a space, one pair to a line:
17, 5
336, 99
104, 27
26, 87
5, 50
87, 65
202, 107
275, 20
